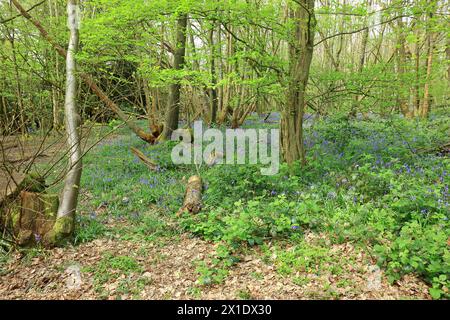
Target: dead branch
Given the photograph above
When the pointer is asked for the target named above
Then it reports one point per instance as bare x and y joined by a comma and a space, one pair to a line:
147, 161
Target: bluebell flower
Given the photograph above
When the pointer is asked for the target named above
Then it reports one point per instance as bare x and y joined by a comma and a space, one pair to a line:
37, 237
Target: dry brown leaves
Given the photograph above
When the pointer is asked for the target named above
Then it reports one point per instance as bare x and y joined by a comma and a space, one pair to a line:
170, 273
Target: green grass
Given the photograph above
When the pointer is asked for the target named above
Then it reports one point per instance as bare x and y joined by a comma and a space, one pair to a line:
122, 269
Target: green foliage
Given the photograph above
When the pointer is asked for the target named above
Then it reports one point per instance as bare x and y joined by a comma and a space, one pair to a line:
420, 249
88, 229
365, 182
303, 257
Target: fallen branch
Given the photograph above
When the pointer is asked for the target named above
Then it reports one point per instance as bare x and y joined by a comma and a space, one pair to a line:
148, 162
193, 196
443, 148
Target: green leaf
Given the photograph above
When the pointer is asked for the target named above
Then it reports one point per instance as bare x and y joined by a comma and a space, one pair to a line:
435, 293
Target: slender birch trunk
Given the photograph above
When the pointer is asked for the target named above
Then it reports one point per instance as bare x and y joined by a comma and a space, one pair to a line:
66, 212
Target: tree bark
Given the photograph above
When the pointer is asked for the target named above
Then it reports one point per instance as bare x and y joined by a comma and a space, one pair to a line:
193, 197
173, 106
447, 51
69, 196
301, 47
425, 107
213, 90
402, 62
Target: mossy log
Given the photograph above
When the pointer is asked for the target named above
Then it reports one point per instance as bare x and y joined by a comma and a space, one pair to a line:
193, 196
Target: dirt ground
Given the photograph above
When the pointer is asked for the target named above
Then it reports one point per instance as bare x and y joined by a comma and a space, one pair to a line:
18, 152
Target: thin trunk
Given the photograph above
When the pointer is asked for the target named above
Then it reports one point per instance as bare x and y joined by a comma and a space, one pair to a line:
72, 120
417, 71
447, 51
213, 90
426, 91
148, 103
402, 62
362, 60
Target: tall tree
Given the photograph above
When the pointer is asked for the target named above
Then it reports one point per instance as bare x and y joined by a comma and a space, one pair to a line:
69, 198
301, 46
425, 107
213, 90
402, 62
173, 105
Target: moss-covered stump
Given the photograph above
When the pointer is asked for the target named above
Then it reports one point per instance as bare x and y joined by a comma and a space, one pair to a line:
61, 233
33, 182
34, 218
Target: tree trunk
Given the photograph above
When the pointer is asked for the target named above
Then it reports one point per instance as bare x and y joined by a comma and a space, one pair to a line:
193, 197
301, 47
447, 51
425, 107
402, 62
417, 72
173, 106
213, 90
69, 197
362, 60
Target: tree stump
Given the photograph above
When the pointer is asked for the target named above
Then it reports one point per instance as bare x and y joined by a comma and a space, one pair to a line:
193, 196
35, 217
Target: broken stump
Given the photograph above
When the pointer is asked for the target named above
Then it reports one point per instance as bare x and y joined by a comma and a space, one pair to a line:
193, 196
34, 217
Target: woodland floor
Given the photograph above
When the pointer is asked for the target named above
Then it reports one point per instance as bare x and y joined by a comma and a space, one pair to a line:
166, 270
123, 261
